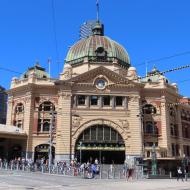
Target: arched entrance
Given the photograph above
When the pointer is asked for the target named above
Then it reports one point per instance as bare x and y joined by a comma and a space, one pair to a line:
101, 142
15, 152
42, 151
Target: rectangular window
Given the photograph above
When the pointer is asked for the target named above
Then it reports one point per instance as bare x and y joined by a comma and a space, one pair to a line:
94, 100
106, 133
106, 100
87, 135
81, 100
113, 135
173, 149
93, 133
100, 133
39, 124
118, 100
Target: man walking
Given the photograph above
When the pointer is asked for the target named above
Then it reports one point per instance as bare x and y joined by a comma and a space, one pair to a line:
179, 174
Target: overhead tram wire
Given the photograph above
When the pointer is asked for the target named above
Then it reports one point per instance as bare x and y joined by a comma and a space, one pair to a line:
10, 70
55, 34
154, 74
163, 58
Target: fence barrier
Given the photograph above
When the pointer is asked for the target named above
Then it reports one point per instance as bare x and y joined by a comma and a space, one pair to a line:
102, 171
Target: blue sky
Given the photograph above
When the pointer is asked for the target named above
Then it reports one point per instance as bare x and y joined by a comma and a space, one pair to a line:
148, 29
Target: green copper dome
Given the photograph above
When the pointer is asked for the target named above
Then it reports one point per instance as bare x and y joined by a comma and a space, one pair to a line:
97, 48
37, 70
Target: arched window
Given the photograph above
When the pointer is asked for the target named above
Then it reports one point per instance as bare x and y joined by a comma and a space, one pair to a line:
45, 116
47, 106
19, 116
19, 108
149, 109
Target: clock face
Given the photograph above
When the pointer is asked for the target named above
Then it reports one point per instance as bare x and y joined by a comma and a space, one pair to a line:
100, 84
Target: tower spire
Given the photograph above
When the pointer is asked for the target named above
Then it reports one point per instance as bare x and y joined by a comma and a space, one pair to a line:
97, 10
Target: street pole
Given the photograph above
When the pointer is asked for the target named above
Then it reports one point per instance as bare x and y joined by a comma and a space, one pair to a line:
154, 159
141, 116
80, 152
50, 139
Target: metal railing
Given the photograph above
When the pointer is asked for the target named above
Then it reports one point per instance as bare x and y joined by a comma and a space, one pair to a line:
102, 171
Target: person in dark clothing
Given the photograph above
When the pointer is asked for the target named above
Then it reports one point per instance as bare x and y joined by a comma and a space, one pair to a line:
179, 174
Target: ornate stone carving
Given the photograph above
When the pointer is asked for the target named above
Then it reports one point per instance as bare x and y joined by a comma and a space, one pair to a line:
76, 120
124, 124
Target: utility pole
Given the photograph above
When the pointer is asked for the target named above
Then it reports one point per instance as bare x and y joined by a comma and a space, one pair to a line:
141, 118
80, 152
51, 131
154, 157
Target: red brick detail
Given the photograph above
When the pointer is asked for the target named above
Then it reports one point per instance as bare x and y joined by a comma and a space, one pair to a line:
159, 127
35, 127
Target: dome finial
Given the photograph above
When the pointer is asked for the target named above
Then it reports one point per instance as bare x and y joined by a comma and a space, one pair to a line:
97, 10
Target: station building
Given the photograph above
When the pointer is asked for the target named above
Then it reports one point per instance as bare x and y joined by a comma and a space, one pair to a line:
98, 108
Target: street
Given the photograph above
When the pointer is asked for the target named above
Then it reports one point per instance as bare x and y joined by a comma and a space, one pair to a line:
24, 181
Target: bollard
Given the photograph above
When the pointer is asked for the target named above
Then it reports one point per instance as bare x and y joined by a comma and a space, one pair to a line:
114, 173
6, 166
186, 176
42, 168
170, 175
17, 166
22, 167
100, 173
11, 166
108, 174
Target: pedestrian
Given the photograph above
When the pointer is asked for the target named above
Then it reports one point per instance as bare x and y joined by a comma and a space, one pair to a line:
179, 174
96, 161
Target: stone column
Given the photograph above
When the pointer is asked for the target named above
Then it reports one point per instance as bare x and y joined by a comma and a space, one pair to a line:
113, 102
136, 140
63, 136
87, 101
165, 123
100, 101
180, 133
10, 110
125, 102
74, 97
28, 122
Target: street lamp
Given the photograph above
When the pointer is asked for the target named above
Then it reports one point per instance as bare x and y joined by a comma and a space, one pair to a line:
80, 143
154, 160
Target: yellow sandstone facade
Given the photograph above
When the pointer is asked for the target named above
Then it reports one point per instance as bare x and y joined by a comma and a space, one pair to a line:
98, 108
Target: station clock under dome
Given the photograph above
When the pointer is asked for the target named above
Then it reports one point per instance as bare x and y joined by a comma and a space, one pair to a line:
97, 48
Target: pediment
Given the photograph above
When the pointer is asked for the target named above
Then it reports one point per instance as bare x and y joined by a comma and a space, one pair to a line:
89, 77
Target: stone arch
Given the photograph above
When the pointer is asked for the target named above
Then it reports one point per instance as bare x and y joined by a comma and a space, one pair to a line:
47, 99
87, 124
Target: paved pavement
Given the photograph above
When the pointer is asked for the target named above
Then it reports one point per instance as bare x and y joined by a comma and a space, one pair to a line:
29, 181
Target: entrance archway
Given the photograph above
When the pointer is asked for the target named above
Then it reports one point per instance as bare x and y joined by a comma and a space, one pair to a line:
42, 151
102, 142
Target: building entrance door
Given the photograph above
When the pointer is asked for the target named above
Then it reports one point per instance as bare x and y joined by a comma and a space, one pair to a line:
42, 151
100, 142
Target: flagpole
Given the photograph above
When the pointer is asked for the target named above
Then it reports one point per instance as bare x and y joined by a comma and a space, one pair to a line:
97, 10
49, 65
